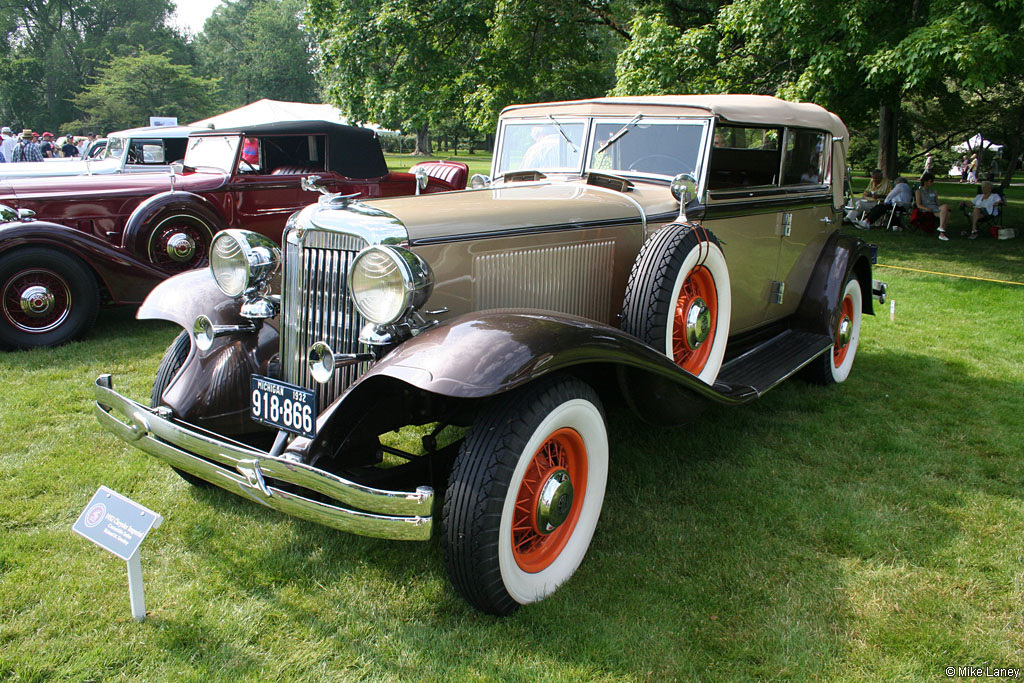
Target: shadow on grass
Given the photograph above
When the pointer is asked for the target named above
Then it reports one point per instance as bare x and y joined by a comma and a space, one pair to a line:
727, 542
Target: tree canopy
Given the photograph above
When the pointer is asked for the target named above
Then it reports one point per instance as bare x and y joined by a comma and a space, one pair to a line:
130, 89
257, 50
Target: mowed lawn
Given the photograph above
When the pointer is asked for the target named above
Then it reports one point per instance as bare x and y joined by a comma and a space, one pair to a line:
870, 531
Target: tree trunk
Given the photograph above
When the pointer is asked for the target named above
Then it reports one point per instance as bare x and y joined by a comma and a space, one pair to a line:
423, 147
887, 138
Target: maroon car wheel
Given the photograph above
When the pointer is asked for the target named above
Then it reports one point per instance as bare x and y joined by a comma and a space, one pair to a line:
179, 241
47, 297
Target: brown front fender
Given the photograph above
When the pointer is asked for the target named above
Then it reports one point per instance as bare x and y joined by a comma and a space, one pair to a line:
480, 355
212, 388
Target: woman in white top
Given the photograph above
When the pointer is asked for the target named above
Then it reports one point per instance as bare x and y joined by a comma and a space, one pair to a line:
985, 204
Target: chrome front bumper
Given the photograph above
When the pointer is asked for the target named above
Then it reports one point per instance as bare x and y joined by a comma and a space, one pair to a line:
244, 470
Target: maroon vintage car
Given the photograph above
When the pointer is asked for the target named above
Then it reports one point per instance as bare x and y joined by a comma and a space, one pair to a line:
94, 239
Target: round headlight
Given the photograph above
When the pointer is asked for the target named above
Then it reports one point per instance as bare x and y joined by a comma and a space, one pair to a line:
241, 260
387, 282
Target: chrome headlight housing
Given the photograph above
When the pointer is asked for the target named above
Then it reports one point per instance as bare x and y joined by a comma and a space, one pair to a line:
387, 282
242, 260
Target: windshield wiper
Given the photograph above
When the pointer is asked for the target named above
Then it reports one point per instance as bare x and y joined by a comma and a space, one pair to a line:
562, 132
618, 134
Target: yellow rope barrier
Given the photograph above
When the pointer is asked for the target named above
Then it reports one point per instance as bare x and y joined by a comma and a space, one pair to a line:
965, 277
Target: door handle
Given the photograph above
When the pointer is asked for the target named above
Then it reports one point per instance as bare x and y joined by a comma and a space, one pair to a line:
826, 219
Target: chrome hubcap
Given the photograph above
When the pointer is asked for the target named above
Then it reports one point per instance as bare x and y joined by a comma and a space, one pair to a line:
181, 247
554, 501
845, 331
698, 323
37, 301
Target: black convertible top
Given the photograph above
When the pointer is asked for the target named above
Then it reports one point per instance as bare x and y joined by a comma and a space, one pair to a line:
353, 152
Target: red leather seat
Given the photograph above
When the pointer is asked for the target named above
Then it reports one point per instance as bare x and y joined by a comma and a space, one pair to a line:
452, 173
295, 170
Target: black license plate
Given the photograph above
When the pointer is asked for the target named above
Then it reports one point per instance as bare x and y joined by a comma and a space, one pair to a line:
282, 405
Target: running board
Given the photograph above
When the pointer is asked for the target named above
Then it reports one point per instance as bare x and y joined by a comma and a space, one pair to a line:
762, 367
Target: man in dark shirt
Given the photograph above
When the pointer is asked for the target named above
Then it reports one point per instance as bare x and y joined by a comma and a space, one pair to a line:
47, 147
68, 149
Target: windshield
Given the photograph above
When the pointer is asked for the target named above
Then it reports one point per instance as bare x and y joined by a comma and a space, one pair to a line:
644, 146
542, 145
115, 148
212, 151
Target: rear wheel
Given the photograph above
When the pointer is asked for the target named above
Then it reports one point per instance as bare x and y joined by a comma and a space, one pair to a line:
525, 494
834, 366
47, 297
174, 357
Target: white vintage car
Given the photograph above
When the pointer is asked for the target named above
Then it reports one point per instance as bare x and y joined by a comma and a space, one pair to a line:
137, 150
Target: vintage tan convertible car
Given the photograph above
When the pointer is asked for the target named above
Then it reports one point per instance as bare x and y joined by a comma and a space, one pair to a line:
669, 250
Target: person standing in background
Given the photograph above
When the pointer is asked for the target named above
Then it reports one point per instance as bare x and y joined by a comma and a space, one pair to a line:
68, 149
48, 149
8, 143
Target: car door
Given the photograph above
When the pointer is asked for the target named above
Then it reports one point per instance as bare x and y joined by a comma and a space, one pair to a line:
266, 181
807, 219
742, 210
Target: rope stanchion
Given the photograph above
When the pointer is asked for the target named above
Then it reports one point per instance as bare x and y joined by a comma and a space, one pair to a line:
963, 277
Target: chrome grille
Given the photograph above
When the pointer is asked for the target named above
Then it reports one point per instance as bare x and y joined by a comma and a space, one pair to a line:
315, 306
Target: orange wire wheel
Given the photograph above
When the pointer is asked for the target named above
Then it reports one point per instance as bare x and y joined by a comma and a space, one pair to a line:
844, 332
695, 320
549, 500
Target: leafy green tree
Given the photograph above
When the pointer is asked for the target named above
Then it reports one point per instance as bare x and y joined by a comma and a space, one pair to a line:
257, 50
52, 48
421, 64
536, 51
399, 63
870, 62
131, 89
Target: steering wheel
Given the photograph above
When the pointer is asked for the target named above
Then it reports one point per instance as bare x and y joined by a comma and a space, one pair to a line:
680, 164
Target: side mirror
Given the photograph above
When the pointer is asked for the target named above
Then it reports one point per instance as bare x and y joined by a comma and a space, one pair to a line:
479, 180
422, 179
683, 188
178, 167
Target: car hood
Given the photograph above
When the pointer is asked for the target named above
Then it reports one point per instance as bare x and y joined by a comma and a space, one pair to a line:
98, 186
457, 215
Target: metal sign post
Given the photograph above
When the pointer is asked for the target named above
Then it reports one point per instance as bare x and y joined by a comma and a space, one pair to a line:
119, 525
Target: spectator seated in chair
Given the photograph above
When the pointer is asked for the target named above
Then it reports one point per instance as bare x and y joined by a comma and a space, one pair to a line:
928, 214
877, 188
983, 209
900, 196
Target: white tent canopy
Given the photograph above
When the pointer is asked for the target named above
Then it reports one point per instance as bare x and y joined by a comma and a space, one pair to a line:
273, 111
976, 142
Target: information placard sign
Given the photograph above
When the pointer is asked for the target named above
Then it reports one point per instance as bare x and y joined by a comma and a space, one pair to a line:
115, 523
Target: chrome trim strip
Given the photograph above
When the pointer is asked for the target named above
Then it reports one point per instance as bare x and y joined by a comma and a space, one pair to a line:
400, 515
532, 230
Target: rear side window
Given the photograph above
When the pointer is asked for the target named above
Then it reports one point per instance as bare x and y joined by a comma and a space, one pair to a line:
744, 156
806, 158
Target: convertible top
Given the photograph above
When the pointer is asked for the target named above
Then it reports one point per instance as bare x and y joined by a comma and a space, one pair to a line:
754, 109
353, 152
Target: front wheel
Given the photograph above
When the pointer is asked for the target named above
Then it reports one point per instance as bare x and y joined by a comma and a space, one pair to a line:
179, 241
525, 494
835, 364
47, 298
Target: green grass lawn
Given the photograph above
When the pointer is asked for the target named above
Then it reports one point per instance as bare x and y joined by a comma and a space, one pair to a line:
870, 531
478, 163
